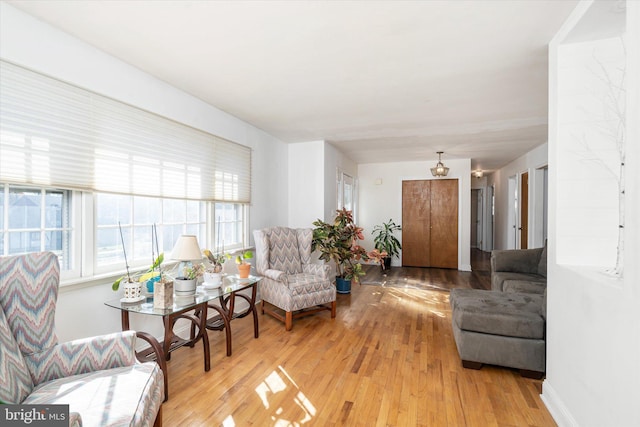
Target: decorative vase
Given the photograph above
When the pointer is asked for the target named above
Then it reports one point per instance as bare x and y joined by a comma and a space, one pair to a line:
387, 263
184, 287
343, 286
163, 294
243, 270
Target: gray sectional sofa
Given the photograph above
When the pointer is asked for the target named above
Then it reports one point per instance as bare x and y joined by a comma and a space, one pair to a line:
506, 325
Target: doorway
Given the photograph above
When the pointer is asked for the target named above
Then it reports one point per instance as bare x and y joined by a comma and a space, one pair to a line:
512, 224
477, 219
524, 210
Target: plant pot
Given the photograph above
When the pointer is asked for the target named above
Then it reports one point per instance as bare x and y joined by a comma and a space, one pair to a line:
212, 280
387, 263
243, 270
132, 291
343, 286
184, 287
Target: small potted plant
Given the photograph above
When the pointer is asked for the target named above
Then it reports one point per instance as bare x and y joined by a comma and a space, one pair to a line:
338, 242
132, 288
185, 285
213, 273
385, 241
243, 266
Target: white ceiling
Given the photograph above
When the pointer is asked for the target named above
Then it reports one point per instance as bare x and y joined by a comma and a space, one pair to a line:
381, 80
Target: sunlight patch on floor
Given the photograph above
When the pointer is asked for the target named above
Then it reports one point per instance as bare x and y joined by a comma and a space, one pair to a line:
280, 382
418, 300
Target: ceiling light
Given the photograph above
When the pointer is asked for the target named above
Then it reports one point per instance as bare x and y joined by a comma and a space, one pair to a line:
440, 169
478, 173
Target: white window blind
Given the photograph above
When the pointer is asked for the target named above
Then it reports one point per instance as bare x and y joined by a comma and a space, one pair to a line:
54, 133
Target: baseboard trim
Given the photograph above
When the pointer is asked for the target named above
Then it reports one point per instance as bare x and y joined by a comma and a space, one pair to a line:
556, 406
465, 267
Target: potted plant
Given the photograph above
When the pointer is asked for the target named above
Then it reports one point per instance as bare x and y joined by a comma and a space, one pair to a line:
385, 241
185, 285
243, 266
132, 288
213, 274
338, 242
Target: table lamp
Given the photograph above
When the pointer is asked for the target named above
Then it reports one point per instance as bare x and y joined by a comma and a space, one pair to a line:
186, 250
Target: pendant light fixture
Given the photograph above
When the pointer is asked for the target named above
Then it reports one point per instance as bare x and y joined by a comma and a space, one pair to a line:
440, 169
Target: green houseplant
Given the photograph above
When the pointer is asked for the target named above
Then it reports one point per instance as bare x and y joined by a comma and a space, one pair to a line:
243, 266
338, 242
385, 241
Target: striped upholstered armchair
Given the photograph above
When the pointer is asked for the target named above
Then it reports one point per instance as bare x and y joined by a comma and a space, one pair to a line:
99, 378
291, 283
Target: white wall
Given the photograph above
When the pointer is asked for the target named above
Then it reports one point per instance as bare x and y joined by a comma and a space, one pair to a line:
593, 329
306, 183
530, 162
29, 42
379, 202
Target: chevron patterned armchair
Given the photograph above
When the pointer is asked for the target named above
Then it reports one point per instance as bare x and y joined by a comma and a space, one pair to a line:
290, 282
99, 378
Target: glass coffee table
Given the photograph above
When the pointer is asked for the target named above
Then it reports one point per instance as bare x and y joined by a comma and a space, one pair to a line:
194, 309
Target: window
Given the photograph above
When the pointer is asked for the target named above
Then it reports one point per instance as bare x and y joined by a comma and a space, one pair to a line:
230, 231
81, 173
135, 216
36, 219
40, 219
347, 192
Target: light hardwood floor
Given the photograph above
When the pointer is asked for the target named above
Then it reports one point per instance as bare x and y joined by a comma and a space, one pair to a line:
387, 359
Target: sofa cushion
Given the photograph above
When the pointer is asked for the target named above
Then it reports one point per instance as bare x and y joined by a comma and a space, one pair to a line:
16, 381
524, 286
127, 396
498, 313
498, 278
303, 283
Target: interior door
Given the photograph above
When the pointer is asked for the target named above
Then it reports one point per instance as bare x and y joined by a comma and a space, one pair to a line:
444, 223
416, 220
430, 223
524, 210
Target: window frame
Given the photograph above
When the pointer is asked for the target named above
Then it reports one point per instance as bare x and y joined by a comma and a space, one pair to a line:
83, 227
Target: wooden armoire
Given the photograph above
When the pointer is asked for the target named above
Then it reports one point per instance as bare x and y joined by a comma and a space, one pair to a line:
430, 223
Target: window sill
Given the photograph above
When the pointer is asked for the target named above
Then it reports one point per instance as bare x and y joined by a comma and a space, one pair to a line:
107, 279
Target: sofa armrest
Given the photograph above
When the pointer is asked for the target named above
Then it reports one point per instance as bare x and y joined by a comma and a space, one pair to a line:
82, 356
321, 270
516, 260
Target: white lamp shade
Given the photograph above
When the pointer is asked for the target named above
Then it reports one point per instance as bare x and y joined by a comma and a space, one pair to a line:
186, 249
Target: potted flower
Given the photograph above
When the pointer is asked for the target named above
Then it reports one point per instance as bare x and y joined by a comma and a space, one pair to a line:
213, 273
338, 242
185, 285
243, 266
385, 241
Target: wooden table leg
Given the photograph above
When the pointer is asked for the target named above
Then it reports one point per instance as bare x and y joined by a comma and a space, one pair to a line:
168, 336
125, 320
252, 306
205, 337
226, 322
